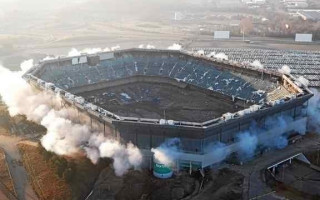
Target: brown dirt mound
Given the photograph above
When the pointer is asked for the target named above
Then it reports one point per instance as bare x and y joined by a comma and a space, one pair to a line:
142, 185
225, 184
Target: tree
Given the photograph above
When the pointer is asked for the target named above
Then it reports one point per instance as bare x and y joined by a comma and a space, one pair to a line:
68, 175
61, 164
246, 25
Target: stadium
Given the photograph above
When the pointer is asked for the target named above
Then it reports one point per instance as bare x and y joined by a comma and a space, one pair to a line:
147, 96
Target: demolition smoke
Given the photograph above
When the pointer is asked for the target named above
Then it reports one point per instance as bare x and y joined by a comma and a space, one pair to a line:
175, 46
314, 111
167, 152
285, 69
148, 46
257, 64
65, 135
218, 56
247, 142
76, 52
303, 80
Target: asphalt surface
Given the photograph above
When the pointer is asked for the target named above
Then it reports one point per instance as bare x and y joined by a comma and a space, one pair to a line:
254, 185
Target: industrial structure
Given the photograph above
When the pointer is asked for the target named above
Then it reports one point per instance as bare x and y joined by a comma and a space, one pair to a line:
149, 96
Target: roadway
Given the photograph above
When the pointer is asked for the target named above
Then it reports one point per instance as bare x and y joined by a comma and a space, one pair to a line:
254, 185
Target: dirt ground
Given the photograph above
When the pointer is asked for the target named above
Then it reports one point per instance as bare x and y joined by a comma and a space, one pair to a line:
298, 180
150, 100
224, 184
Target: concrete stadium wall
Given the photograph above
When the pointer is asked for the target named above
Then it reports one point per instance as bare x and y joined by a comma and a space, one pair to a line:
195, 139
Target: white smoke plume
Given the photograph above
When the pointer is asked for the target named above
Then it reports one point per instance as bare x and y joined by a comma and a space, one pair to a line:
49, 58
211, 55
218, 150
314, 111
65, 134
280, 143
114, 48
106, 49
26, 65
200, 53
221, 56
257, 64
91, 50
303, 80
285, 69
148, 46
248, 143
249, 140
175, 46
167, 152
76, 52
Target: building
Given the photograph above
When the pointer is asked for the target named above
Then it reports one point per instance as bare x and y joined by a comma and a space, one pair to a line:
303, 37
148, 96
258, 2
295, 3
221, 35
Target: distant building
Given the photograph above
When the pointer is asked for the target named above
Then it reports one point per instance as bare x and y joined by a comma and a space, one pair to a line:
221, 35
259, 1
303, 37
296, 3
250, 2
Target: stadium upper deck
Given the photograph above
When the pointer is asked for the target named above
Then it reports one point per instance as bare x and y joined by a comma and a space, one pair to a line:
182, 67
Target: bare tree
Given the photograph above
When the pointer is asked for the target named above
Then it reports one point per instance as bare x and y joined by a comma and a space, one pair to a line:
246, 26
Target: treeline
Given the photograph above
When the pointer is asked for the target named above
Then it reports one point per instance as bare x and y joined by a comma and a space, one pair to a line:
64, 169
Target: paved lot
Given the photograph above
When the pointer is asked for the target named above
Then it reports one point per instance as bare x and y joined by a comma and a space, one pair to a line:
254, 185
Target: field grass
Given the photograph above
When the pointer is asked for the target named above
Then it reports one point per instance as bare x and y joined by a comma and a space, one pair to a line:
43, 178
5, 177
58, 177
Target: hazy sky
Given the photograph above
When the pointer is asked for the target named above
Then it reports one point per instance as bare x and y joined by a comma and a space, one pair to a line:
11, 9
50, 4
